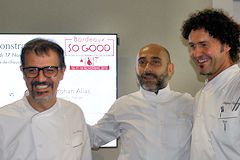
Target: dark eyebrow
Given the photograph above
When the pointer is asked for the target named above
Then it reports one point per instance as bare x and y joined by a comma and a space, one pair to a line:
140, 58
156, 58
201, 42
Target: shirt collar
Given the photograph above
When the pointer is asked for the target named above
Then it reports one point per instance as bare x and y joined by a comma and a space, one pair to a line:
160, 96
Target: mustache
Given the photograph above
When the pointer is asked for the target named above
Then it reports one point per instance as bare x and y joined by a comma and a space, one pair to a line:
149, 74
35, 83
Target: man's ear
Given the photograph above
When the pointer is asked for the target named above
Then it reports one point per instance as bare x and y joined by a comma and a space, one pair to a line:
170, 69
226, 48
21, 68
63, 69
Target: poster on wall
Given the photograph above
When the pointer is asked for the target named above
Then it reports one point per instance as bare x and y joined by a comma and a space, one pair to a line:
90, 79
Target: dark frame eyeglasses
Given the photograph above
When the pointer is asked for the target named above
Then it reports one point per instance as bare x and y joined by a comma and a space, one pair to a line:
48, 71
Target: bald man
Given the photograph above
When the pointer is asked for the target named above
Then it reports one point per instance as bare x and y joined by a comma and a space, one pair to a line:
153, 123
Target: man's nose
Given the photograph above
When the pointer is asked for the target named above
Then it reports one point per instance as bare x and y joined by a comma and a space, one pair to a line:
196, 52
148, 68
41, 77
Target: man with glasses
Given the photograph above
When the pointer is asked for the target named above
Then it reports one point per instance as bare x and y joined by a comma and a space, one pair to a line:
41, 126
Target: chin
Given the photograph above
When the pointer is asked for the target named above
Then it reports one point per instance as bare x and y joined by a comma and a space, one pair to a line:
149, 88
42, 99
205, 73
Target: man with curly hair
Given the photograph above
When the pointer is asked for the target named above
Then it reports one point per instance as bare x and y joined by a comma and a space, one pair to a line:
213, 39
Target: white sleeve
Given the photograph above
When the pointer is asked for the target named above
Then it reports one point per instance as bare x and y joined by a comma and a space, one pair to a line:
87, 153
106, 130
1, 145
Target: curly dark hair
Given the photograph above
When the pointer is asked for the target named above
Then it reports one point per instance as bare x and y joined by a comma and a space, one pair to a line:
218, 25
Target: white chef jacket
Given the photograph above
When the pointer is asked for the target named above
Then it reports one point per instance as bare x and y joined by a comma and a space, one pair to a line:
216, 130
150, 126
59, 133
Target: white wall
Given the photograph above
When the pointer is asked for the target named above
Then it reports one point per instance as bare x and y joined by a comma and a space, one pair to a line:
137, 22
236, 11
231, 6
227, 5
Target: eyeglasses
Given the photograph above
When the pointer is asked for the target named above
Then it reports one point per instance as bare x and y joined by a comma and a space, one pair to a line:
33, 72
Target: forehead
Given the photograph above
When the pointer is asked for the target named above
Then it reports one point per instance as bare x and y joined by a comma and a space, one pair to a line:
152, 53
202, 36
40, 60
199, 35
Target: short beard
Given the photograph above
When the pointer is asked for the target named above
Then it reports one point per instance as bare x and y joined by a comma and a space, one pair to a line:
40, 100
206, 74
210, 73
161, 81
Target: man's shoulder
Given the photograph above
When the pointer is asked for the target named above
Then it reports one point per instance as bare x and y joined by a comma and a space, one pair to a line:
233, 80
13, 107
138, 96
236, 77
130, 96
232, 88
13, 113
180, 95
72, 112
68, 106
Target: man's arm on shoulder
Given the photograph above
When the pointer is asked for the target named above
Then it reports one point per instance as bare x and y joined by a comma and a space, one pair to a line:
106, 130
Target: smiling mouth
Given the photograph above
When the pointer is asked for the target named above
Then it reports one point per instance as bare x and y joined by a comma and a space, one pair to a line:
42, 86
148, 77
202, 60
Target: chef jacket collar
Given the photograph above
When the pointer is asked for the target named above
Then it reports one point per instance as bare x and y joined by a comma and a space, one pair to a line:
31, 111
162, 94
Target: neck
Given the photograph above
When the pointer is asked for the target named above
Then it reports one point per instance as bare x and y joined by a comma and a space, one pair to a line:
212, 76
